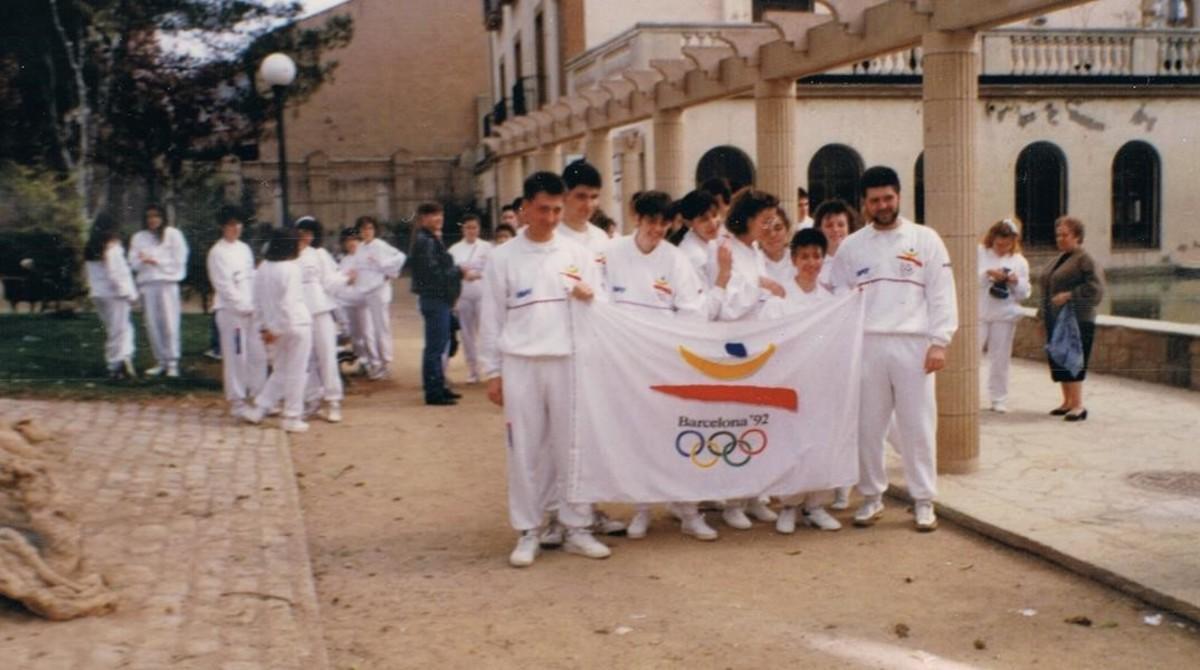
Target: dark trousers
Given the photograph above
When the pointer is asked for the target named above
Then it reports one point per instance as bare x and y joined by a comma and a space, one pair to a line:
437, 338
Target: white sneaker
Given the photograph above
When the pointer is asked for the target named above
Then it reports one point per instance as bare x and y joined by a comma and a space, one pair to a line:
606, 525
154, 371
294, 426
527, 549
820, 519
926, 518
759, 510
251, 414
275, 411
333, 413
870, 512
841, 498
173, 370
698, 528
735, 517
552, 536
1000, 408
786, 523
375, 374
581, 541
638, 525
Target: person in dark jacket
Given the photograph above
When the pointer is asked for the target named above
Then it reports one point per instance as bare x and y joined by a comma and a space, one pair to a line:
1071, 278
437, 281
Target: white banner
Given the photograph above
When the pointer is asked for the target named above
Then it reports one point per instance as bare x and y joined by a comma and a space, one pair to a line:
678, 410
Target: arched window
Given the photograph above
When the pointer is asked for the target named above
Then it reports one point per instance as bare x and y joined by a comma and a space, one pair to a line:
1041, 191
833, 172
729, 162
919, 189
1136, 180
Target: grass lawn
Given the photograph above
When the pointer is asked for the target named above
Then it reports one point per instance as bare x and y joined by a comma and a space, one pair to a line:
62, 356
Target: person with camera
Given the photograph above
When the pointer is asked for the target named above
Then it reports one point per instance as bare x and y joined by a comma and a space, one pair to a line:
1003, 284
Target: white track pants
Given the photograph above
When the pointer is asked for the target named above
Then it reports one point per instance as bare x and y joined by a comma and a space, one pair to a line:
894, 380
161, 302
358, 327
118, 331
997, 338
243, 357
377, 305
290, 354
324, 377
468, 320
537, 409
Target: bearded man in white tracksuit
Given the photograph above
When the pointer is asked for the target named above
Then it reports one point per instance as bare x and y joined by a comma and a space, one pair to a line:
525, 354
911, 315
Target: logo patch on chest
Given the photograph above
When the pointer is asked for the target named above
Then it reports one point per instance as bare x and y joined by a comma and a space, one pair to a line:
572, 272
524, 293
663, 286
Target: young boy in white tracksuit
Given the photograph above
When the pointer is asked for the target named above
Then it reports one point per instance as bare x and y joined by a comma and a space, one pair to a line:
378, 264
471, 255
286, 327
111, 288
648, 275
320, 279
158, 254
525, 354
802, 294
911, 316
230, 264
1003, 284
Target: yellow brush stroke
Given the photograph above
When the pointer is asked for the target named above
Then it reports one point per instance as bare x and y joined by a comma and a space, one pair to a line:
727, 371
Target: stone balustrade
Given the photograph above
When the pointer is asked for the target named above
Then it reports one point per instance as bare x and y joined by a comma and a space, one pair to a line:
1091, 53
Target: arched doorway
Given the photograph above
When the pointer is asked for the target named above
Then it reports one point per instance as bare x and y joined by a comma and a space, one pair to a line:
1136, 192
1041, 191
728, 162
834, 172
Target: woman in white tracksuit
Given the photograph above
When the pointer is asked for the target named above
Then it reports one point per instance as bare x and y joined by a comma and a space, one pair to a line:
1003, 284
650, 276
158, 254
230, 265
378, 264
470, 255
352, 307
742, 296
111, 288
776, 253
321, 279
285, 326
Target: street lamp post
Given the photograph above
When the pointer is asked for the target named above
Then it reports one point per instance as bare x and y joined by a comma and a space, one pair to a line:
279, 71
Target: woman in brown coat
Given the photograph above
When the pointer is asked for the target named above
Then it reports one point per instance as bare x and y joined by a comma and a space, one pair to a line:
1072, 278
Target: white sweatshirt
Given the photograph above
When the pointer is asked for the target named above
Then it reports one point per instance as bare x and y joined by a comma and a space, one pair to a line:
742, 298
320, 279
697, 252
231, 273
782, 271
1009, 309
906, 274
350, 295
109, 277
170, 255
660, 282
472, 257
526, 286
377, 263
279, 297
591, 238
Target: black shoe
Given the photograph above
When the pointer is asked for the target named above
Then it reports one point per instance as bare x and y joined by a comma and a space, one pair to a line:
1059, 411
1082, 416
447, 393
442, 400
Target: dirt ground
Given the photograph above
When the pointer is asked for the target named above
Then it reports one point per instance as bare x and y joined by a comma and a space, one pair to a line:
408, 532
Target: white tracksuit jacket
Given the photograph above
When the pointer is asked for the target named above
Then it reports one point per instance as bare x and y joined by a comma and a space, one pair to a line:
662, 281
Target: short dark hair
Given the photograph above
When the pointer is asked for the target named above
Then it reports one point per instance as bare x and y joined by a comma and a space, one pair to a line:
348, 233
429, 209
543, 182
696, 204
470, 216
283, 246
719, 188
581, 173
879, 176
507, 208
229, 213
833, 208
364, 220
652, 204
747, 204
517, 203
603, 221
310, 224
801, 192
810, 237
505, 227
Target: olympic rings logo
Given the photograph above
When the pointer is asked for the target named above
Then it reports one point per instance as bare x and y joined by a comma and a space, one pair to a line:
722, 445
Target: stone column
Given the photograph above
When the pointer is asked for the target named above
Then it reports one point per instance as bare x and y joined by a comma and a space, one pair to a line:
631, 146
775, 133
950, 103
512, 179
669, 173
599, 153
548, 157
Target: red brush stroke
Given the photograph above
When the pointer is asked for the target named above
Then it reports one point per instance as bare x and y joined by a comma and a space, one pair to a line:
772, 396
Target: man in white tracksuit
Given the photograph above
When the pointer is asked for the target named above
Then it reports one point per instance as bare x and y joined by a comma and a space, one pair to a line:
646, 274
231, 272
471, 255
911, 315
525, 354
378, 263
158, 255
583, 183
320, 279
